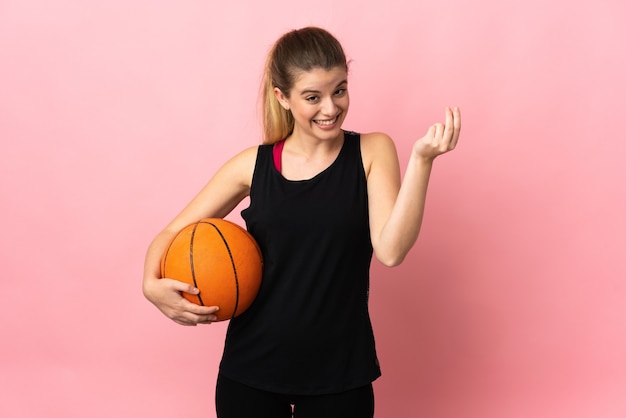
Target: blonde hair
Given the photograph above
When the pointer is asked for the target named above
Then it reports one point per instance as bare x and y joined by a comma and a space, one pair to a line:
298, 50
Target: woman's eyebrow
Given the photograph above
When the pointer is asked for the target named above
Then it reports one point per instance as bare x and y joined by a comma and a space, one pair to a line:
310, 90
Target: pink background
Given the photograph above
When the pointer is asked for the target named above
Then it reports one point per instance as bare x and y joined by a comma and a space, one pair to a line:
113, 115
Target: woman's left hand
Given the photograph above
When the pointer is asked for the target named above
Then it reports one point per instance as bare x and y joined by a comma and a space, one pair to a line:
440, 137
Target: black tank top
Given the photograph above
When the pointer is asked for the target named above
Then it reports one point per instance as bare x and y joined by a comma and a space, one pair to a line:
309, 330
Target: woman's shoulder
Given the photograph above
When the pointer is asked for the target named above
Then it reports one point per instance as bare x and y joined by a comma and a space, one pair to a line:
374, 143
241, 165
375, 139
372, 140
245, 157
376, 146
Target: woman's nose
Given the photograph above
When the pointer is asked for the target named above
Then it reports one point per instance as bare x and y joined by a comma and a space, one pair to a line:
329, 107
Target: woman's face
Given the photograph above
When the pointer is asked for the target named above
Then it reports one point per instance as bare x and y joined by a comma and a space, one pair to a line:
319, 102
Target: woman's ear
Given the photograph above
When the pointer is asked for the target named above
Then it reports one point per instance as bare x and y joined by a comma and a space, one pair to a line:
281, 98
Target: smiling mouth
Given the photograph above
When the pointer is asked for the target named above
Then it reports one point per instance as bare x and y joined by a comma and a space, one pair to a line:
326, 122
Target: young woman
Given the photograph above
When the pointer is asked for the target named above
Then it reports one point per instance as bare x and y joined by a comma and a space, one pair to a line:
322, 201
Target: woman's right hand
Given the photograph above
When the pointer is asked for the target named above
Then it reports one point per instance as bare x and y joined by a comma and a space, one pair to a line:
166, 295
226, 189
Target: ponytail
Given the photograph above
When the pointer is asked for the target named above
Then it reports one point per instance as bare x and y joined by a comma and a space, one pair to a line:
277, 121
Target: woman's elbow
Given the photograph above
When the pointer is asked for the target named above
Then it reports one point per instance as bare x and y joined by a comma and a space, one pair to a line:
391, 259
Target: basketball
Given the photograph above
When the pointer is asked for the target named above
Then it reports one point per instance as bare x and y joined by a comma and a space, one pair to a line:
221, 259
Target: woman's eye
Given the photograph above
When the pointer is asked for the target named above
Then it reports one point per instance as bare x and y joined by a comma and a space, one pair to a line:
340, 92
312, 99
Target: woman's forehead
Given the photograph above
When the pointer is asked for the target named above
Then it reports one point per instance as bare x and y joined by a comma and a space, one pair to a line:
318, 78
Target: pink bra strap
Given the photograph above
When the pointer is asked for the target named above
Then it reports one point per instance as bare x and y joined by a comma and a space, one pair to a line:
278, 152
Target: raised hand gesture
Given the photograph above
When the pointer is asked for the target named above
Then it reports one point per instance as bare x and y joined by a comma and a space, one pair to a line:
440, 137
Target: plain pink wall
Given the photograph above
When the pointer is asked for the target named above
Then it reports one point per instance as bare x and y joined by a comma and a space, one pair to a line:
113, 114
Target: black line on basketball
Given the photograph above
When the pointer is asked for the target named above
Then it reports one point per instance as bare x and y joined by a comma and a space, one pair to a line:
164, 263
193, 271
232, 262
167, 254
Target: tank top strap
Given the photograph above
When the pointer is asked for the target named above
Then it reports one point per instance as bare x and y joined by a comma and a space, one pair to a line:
277, 151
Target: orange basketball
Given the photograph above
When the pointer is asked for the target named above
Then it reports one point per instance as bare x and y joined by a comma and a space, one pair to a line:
221, 259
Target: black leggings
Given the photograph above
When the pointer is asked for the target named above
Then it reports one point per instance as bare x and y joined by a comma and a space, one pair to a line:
235, 400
